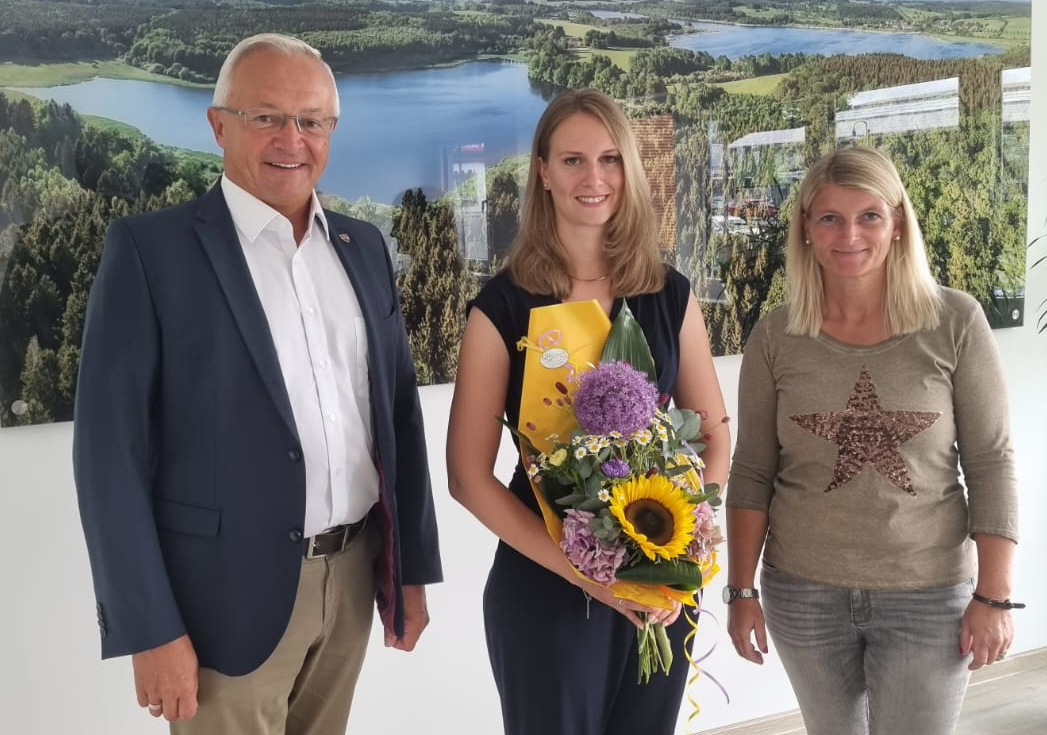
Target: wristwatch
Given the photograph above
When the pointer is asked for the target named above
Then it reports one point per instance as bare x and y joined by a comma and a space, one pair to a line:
730, 594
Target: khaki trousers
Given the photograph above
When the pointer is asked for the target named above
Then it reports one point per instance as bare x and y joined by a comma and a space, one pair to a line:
306, 685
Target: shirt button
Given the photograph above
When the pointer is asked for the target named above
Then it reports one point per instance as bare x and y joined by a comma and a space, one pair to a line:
322, 364
295, 455
310, 311
332, 417
295, 535
338, 472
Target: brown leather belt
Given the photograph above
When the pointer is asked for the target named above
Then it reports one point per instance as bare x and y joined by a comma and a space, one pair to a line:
333, 540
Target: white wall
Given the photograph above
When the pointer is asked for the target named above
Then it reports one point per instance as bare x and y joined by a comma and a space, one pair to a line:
51, 681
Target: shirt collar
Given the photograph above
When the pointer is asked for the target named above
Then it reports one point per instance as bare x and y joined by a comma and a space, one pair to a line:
251, 215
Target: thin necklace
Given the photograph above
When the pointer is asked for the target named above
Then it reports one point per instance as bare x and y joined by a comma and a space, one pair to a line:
590, 280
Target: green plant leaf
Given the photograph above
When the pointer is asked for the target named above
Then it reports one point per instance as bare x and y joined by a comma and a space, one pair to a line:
679, 574
522, 437
626, 342
692, 424
591, 504
572, 499
593, 485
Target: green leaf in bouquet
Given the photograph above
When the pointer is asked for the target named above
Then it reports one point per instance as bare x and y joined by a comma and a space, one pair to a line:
675, 418
531, 449
604, 526
572, 499
677, 469
681, 574
585, 470
552, 490
591, 504
691, 426
593, 485
713, 490
626, 342
603, 455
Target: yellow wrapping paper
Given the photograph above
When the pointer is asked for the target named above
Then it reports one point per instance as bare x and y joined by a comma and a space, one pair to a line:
563, 341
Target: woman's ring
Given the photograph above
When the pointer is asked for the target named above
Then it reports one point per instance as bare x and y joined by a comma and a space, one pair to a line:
155, 707
621, 601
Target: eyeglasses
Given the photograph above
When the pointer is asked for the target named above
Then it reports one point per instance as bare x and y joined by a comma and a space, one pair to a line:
266, 120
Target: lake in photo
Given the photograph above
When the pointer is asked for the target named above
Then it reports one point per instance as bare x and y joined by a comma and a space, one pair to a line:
394, 133
735, 41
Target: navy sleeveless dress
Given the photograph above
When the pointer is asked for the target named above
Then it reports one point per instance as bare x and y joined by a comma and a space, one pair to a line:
565, 666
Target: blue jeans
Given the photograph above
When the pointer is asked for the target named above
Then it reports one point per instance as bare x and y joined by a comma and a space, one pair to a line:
869, 662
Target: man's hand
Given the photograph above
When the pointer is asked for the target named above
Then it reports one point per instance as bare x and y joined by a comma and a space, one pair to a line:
416, 617
166, 679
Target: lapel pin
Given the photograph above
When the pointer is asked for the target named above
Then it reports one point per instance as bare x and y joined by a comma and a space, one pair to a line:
343, 237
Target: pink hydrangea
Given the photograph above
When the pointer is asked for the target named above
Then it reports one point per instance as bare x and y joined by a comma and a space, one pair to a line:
707, 534
587, 553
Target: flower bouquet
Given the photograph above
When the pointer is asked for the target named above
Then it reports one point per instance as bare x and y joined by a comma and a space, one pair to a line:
621, 485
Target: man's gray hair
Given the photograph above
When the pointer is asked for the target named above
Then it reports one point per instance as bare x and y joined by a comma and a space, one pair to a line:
276, 42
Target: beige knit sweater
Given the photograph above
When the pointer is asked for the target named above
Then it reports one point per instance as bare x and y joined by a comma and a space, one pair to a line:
855, 451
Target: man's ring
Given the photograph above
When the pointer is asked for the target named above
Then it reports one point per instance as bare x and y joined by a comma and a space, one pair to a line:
621, 601
1001, 655
155, 707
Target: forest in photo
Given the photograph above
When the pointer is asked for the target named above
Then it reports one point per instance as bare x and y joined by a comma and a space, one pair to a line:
726, 133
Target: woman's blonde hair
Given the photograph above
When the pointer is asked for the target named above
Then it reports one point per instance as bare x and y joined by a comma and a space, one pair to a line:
912, 300
538, 260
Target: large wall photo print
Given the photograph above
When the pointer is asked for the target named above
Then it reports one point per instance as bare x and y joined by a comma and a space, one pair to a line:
102, 114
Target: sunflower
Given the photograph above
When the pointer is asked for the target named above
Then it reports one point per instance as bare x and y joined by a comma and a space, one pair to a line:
655, 514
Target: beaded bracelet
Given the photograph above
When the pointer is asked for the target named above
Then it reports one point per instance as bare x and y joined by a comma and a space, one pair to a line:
999, 604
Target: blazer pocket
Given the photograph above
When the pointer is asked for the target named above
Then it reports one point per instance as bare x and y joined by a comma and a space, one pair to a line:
192, 520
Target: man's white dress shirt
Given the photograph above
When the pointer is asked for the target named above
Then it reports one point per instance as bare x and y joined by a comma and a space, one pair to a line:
321, 342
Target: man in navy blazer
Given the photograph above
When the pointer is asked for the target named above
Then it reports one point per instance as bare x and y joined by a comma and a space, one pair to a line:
249, 451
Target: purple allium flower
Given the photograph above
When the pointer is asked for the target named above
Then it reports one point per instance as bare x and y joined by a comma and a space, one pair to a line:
616, 468
587, 553
615, 396
707, 534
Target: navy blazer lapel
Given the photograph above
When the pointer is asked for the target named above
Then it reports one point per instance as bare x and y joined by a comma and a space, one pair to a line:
218, 236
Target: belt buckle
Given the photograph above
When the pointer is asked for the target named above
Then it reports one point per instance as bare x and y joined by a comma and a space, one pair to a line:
310, 550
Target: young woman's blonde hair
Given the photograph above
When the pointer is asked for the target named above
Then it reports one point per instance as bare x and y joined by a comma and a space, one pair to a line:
538, 260
912, 300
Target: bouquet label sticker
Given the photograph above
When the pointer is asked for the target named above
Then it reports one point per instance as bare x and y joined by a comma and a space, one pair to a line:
553, 358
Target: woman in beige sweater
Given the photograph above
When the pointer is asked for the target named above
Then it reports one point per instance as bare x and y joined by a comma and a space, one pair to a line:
860, 401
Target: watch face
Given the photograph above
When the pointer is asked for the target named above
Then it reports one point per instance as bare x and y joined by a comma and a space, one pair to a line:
730, 594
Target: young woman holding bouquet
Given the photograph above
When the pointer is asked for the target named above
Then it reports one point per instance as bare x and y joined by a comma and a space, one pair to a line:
566, 662
859, 400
